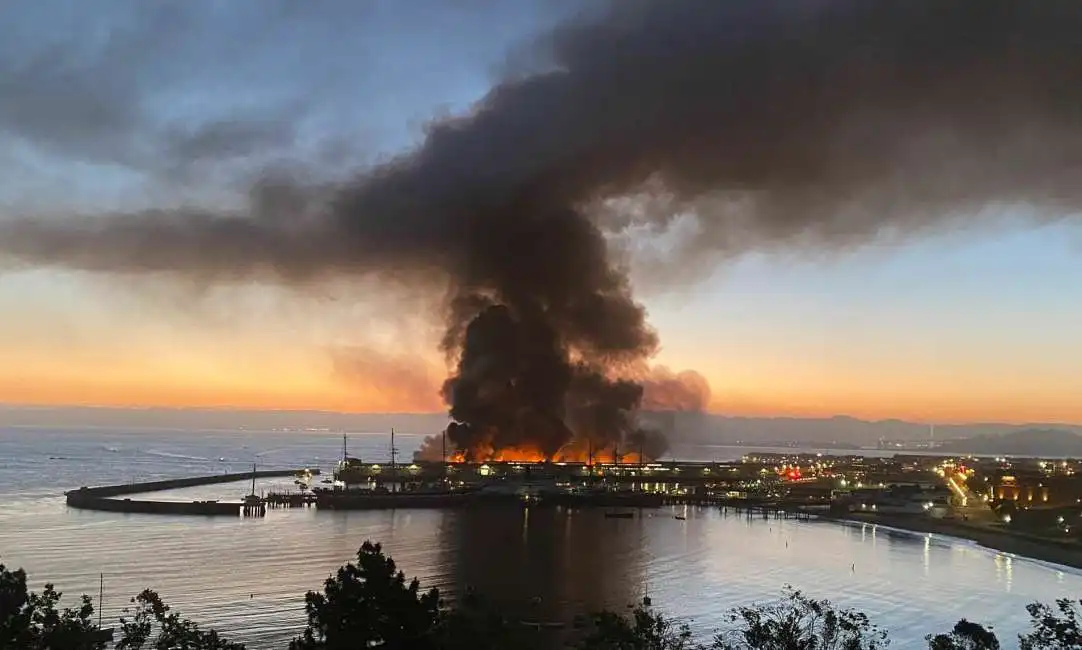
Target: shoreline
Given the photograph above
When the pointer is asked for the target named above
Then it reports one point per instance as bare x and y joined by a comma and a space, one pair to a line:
1063, 554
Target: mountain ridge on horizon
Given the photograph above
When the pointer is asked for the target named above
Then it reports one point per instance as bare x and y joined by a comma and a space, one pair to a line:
702, 428
1029, 442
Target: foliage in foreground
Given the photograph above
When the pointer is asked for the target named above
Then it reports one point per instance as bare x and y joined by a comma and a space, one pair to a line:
371, 604
800, 623
153, 626
1057, 628
32, 621
644, 630
965, 636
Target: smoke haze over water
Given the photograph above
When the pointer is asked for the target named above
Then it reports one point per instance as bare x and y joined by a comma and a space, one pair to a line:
776, 123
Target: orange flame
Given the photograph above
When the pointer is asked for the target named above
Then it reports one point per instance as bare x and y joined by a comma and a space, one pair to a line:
572, 453
576, 451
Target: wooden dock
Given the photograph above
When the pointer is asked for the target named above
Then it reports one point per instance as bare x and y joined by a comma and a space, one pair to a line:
290, 499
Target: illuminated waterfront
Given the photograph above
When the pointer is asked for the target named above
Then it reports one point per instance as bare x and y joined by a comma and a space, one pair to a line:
249, 577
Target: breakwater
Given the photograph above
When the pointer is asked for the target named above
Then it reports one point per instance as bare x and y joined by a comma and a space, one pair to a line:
104, 497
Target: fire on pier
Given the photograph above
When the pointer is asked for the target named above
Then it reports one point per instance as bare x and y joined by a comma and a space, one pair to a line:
641, 446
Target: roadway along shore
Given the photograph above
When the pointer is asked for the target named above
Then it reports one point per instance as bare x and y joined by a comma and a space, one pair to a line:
1065, 552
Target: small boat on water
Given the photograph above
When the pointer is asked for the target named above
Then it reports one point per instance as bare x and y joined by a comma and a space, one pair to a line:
102, 635
680, 517
619, 515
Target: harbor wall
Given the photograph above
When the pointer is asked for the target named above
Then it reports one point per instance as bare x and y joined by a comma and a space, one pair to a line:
101, 498
347, 500
207, 508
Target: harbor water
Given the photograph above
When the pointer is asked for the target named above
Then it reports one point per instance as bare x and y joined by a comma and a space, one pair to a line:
248, 577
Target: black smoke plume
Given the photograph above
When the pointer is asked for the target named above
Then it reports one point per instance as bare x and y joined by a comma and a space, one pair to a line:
775, 122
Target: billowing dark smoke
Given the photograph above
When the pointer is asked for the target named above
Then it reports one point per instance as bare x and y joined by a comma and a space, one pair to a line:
776, 122
665, 390
540, 323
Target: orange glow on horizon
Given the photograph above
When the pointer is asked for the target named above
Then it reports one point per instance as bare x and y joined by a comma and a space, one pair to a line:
169, 392
302, 380
77, 340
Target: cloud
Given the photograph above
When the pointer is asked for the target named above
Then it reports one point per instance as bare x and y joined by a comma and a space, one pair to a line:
402, 380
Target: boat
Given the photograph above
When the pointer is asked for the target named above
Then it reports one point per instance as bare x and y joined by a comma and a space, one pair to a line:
350, 470
619, 515
680, 517
102, 635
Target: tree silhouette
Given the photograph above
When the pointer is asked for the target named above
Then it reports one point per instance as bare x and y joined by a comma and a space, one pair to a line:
645, 630
154, 626
32, 621
965, 635
1053, 629
798, 622
370, 604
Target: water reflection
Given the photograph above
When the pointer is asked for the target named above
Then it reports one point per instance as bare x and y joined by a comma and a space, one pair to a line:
1005, 570
543, 563
927, 557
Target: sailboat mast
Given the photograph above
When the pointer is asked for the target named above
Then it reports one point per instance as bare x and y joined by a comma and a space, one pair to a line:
101, 595
394, 468
343, 447
253, 479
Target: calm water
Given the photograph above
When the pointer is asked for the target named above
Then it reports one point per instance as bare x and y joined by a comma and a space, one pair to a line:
249, 576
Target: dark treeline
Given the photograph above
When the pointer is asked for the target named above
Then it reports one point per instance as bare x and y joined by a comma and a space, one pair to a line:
370, 603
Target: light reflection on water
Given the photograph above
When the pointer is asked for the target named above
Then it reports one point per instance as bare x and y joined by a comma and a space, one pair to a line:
249, 576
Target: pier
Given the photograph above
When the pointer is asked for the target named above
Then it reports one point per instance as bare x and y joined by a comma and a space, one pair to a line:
356, 500
437, 485
740, 487
104, 498
289, 499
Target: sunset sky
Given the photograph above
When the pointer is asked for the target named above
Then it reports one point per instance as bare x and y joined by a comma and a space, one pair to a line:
981, 324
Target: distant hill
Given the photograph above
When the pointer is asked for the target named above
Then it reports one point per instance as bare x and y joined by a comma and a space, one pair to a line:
1029, 442
688, 428
840, 430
